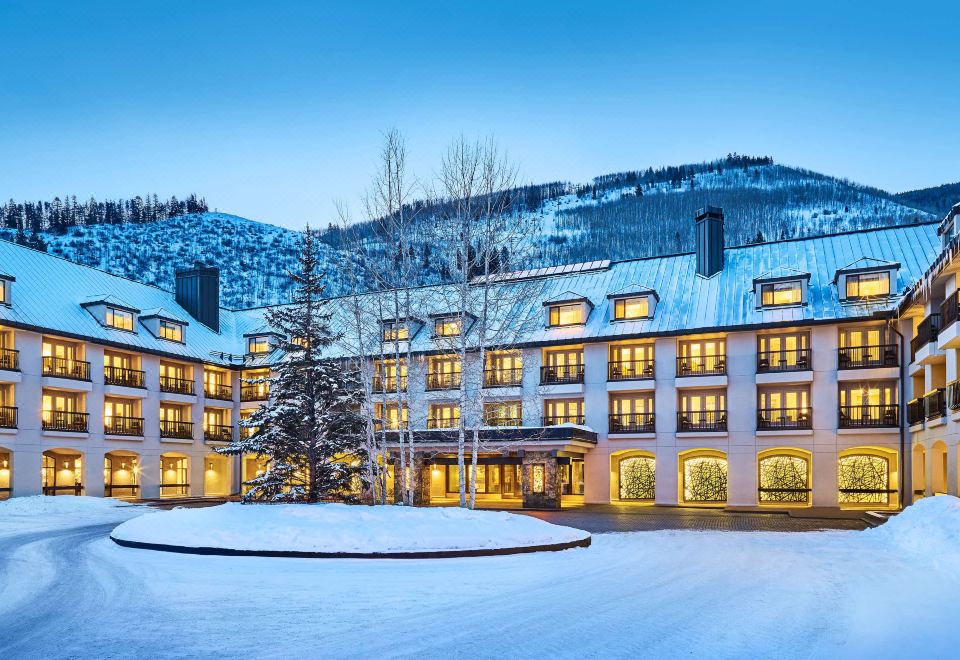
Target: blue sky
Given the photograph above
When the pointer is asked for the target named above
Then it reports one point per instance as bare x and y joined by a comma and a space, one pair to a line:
275, 110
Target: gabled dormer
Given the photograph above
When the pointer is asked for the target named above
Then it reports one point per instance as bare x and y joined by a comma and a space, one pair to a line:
164, 324
633, 303
6, 289
567, 309
781, 287
111, 312
402, 329
262, 340
867, 279
446, 324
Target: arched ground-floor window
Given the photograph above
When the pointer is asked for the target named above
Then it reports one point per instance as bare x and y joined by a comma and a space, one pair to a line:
121, 474
919, 471
783, 476
867, 477
703, 476
636, 476
62, 472
174, 475
6, 473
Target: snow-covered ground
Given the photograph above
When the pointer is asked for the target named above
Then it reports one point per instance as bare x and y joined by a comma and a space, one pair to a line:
885, 593
343, 528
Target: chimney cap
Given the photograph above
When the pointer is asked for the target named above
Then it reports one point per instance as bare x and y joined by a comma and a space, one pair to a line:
709, 211
199, 268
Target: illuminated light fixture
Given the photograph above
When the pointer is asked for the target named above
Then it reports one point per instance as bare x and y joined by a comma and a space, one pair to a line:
5, 464
210, 466
66, 465
123, 466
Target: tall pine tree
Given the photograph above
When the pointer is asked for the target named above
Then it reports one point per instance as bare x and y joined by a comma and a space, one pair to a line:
310, 434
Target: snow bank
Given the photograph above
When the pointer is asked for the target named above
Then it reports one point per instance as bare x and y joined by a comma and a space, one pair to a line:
44, 505
342, 528
931, 526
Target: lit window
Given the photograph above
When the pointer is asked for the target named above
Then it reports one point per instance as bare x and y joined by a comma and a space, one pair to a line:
781, 293
395, 332
631, 308
4, 292
119, 319
259, 344
447, 327
171, 331
566, 314
868, 284
302, 342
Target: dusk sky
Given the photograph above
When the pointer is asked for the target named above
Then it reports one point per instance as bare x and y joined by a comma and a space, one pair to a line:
275, 110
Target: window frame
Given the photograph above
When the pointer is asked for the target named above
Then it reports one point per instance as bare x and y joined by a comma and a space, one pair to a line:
445, 322
855, 279
554, 311
113, 313
165, 325
774, 287
620, 308
251, 341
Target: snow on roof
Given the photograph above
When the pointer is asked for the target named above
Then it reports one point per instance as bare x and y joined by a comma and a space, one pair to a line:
632, 290
161, 313
781, 273
566, 296
108, 299
48, 289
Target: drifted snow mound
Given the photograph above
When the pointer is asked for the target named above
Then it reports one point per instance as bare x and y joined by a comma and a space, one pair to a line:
343, 529
931, 526
46, 505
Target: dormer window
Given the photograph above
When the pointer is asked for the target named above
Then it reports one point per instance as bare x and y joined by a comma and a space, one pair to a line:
258, 345
447, 327
6, 283
395, 331
776, 294
171, 331
119, 319
561, 315
625, 309
864, 285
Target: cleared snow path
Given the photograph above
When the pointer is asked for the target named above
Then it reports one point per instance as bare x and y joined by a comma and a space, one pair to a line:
648, 594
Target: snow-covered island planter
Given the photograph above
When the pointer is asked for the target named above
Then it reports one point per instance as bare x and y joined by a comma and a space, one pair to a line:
344, 531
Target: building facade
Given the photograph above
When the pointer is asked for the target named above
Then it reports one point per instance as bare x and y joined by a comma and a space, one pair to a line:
773, 375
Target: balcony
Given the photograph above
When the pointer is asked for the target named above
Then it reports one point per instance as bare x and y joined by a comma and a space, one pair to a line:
502, 377
218, 433
949, 309
702, 420
632, 423
66, 368
780, 361
176, 429
915, 412
62, 420
557, 420
784, 419
561, 374
218, 391
442, 423
394, 425
173, 385
868, 357
490, 420
9, 359
123, 377
927, 333
630, 370
388, 384
443, 381
707, 365
8, 417
870, 417
256, 392
953, 395
935, 404
123, 426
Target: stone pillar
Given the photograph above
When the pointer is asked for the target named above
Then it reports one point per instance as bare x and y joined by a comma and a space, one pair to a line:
26, 468
93, 469
534, 464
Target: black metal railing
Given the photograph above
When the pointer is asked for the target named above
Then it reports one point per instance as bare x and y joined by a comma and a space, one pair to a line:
218, 433
179, 489
877, 416
62, 420
66, 368
953, 395
219, 391
9, 359
130, 489
632, 423
442, 423
123, 426
503, 377
174, 385
8, 417
123, 376
443, 380
865, 357
73, 489
391, 425
556, 420
255, 392
387, 384
491, 420
935, 403
702, 420
784, 419
561, 374
630, 370
176, 429
915, 414
707, 365
797, 359
927, 331
949, 309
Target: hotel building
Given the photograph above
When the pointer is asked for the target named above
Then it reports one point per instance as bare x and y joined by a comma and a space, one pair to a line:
781, 374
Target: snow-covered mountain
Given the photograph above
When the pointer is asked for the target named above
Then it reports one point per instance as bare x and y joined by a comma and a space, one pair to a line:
616, 216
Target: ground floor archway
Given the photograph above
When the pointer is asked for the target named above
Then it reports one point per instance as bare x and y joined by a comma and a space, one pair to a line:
703, 477
938, 468
121, 474
633, 475
217, 475
62, 472
6, 473
784, 475
919, 471
174, 474
867, 477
